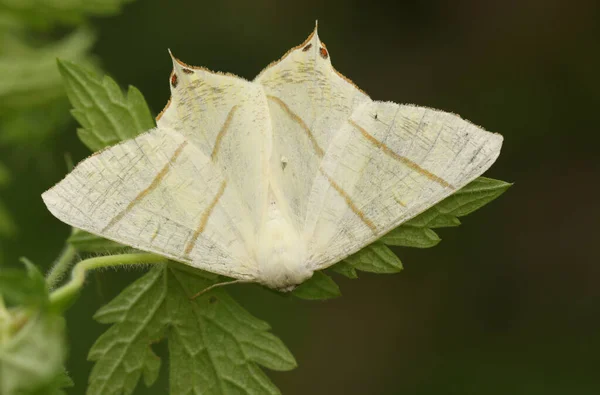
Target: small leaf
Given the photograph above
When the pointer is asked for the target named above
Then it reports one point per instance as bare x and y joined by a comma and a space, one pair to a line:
57, 386
319, 287
29, 74
375, 258
151, 367
62, 381
433, 218
107, 116
475, 195
86, 242
214, 344
24, 287
345, 269
32, 358
418, 232
411, 236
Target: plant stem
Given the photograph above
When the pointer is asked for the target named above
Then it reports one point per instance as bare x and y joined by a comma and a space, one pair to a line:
64, 294
4, 321
60, 267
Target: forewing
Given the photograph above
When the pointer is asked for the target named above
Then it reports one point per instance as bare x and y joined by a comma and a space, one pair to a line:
227, 119
308, 101
159, 193
388, 163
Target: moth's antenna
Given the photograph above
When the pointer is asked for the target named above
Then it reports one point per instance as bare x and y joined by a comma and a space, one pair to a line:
218, 285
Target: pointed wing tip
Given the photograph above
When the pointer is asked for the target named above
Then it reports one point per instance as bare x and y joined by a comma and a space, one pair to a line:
177, 64
50, 199
314, 35
498, 138
47, 196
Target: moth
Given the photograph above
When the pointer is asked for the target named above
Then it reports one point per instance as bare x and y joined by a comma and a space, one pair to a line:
270, 180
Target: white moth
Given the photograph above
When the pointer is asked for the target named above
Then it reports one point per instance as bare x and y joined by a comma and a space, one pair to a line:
269, 180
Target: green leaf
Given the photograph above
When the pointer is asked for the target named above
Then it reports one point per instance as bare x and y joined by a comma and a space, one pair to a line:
32, 358
411, 236
472, 197
57, 386
44, 13
319, 287
105, 114
24, 287
214, 344
433, 219
107, 117
86, 242
375, 258
61, 382
345, 269
418, 231
29, 74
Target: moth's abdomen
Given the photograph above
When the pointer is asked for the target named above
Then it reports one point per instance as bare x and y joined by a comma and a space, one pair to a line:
281, 255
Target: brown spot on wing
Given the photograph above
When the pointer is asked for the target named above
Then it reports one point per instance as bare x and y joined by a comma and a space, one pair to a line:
274, 63
222, 132
153, 185
204, 219
359, 213
309, 46
409, 163
187, 71
174, 80
306, 42
323, 52
300, 122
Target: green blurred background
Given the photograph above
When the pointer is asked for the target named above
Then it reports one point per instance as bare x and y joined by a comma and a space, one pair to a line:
508, 303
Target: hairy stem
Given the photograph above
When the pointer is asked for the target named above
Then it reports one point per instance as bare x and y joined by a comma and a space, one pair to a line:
63, 295
60, 267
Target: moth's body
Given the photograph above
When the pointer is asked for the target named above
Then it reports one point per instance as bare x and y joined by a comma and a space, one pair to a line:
281, 253
272, 179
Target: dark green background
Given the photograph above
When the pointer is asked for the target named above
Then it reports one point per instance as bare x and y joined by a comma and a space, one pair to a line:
508, 303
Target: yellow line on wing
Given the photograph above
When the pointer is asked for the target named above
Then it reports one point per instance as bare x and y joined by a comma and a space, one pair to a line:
222, 131
351, 204
401, 158
300, 122
155, 183
204, 219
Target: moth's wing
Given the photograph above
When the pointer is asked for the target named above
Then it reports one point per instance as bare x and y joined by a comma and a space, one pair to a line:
308, 101
388, 163
158, 193
227, 118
